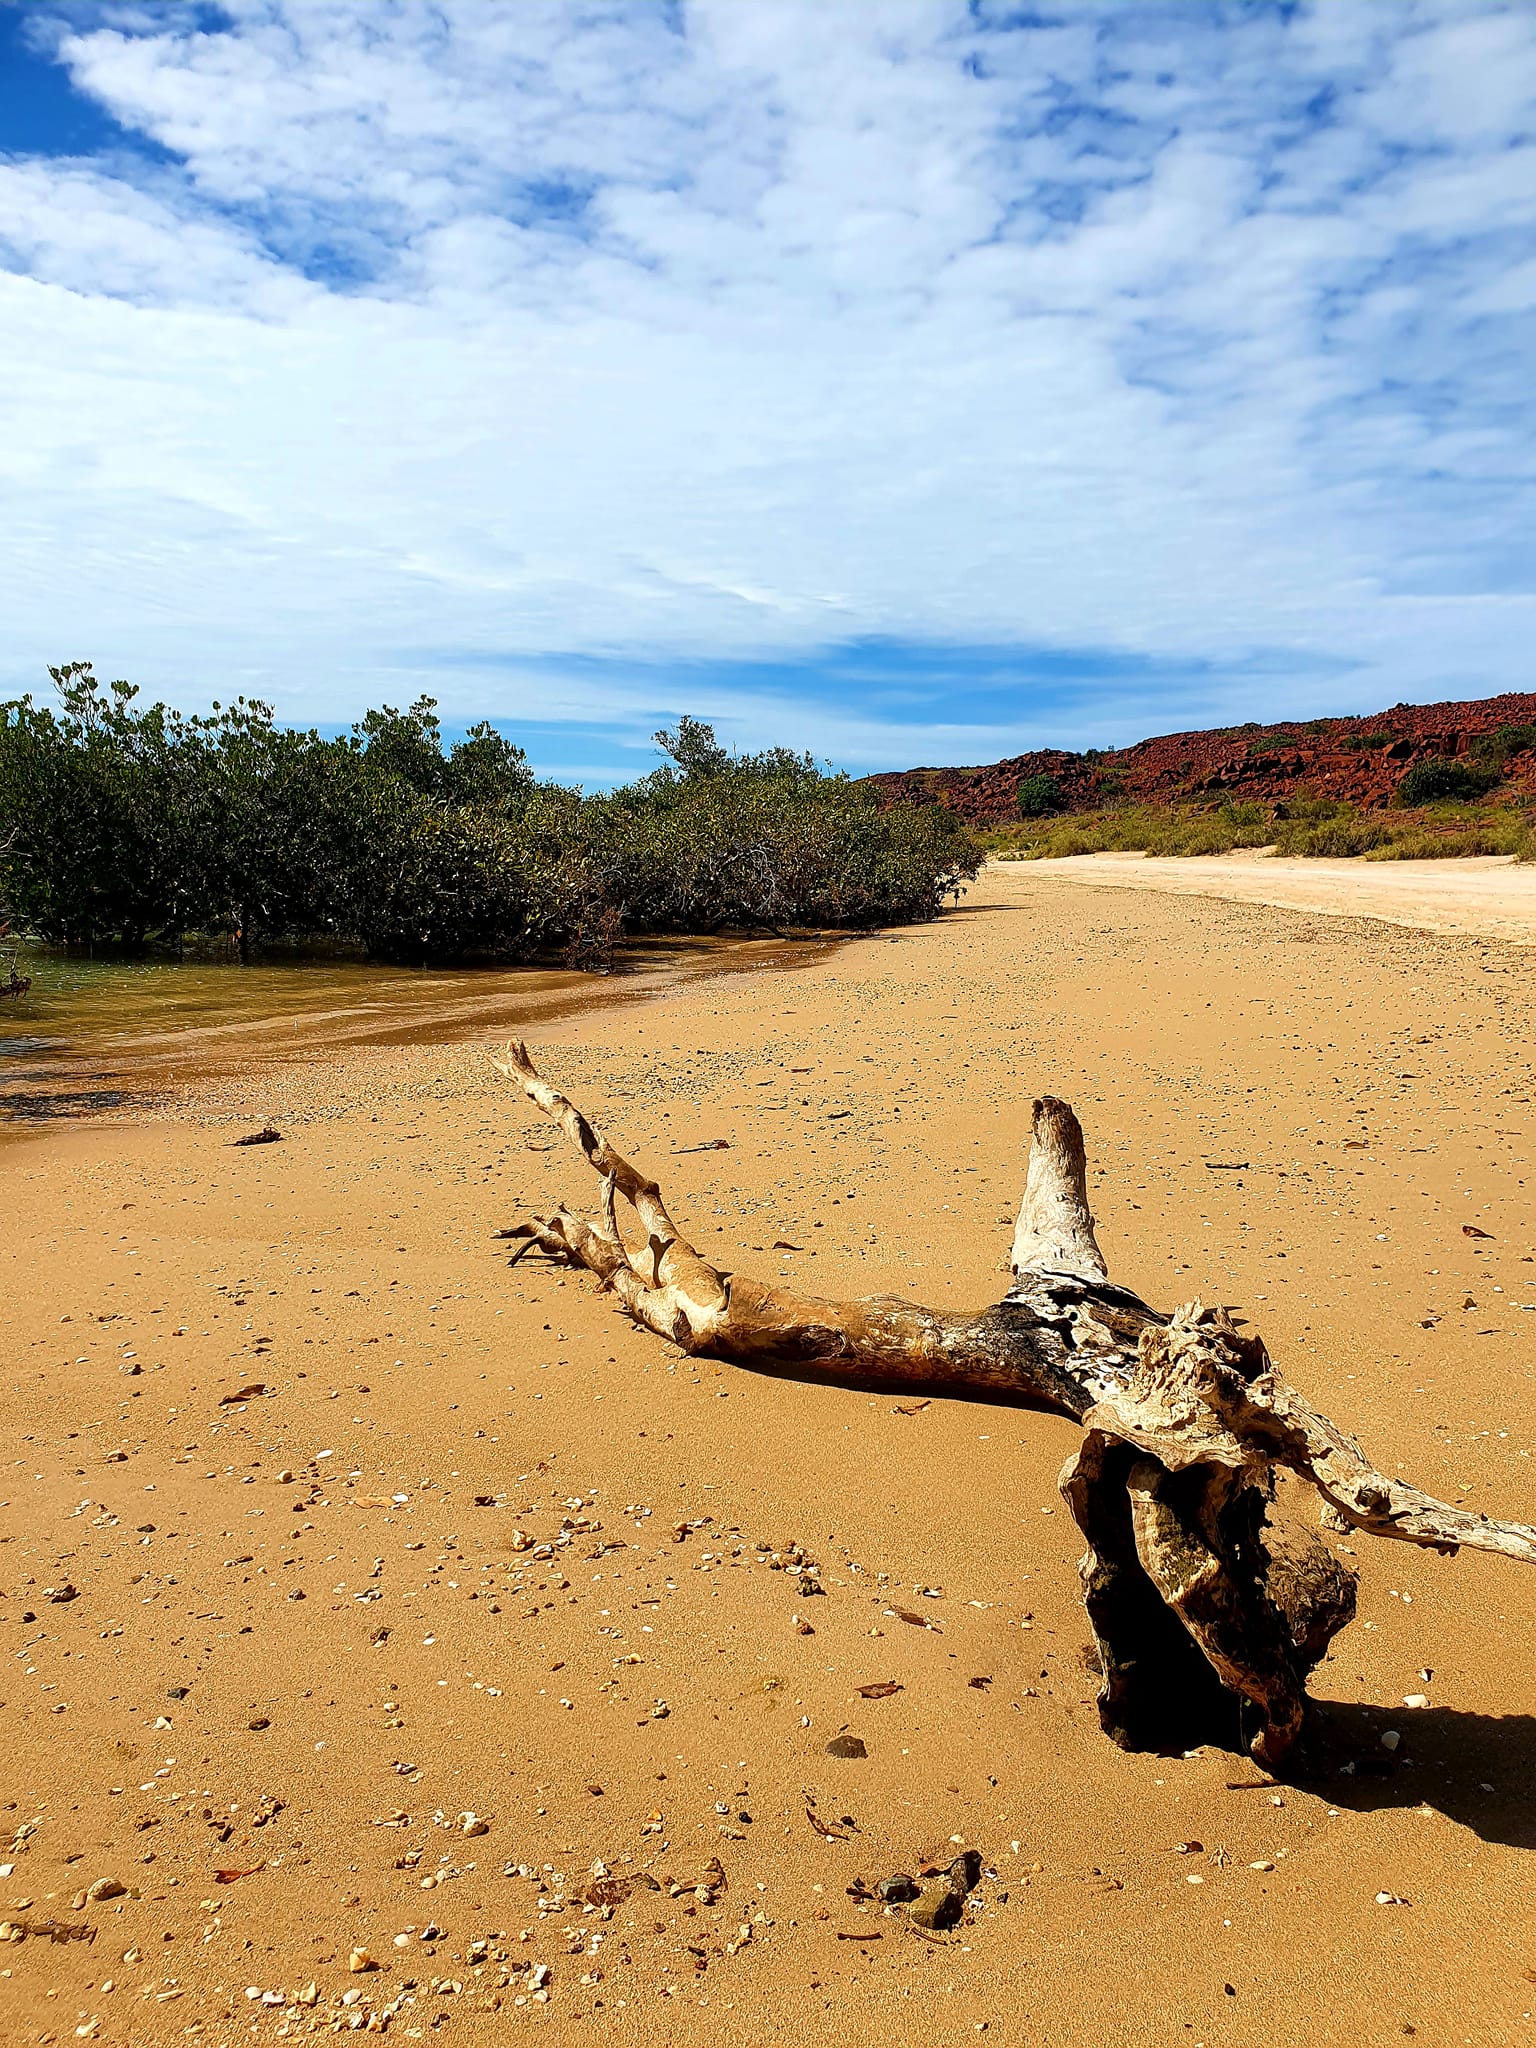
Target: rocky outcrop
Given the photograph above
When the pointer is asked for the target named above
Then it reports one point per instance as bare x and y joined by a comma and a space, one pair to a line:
1356, 760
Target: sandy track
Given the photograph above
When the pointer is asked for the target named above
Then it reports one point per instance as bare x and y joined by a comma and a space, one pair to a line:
1490, 898
1375, 1086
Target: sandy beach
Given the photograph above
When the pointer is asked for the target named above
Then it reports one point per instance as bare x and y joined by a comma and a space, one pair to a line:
1489, 897
477, 1599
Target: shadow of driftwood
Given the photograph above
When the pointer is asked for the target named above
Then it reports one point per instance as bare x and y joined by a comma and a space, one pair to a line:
1473, 1768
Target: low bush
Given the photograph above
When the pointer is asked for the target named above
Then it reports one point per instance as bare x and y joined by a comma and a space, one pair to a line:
1306, 827
1503, 742
1501, 832
1137, 830
1338, 838
1439, 780
1039, 796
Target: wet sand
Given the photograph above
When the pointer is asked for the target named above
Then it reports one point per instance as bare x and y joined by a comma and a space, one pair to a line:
90, 1037
268, 1700
1492, 897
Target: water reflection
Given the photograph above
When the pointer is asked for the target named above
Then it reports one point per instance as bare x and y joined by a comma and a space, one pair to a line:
90, 1034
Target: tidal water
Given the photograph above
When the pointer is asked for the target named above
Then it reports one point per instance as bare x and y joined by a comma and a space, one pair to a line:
90, 1035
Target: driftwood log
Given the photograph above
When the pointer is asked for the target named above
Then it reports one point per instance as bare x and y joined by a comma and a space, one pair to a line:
1210, 1603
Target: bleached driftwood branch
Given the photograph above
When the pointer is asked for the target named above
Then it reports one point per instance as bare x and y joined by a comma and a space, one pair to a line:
1209, 1605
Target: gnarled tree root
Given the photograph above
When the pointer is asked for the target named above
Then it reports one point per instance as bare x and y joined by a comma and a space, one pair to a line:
1209, 1604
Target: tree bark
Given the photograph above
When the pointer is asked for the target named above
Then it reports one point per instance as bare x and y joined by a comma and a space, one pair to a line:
1209, 1603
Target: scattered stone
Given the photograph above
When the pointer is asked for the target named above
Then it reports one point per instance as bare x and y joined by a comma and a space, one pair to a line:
251, 1393
265, 1136
936, 1906
360, 1960
613, 1891
261, 1721
898, 1889
105, 1888
885, 1690
846, 1745
47, 1930
177, 1692
61, 1595
472, 1824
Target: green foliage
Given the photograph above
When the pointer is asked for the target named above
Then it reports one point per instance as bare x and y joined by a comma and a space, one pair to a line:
1340, 837
124, 825
1039, 796
1503, 742
1138, 829
1439, 780
1489, 832
1310, 827
1366, 742
1270, 743
693, 747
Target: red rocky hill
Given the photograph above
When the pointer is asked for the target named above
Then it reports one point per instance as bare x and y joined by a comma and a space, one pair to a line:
1358, 760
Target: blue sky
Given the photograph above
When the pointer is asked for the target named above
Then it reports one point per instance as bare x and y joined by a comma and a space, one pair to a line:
909, 380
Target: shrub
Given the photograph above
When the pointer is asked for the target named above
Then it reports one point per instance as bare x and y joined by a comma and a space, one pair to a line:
1141, 830
1504, 832
126, 825
1439, 780
1497, 746
1310, 827
1366, 742
1336, 838
1039, 796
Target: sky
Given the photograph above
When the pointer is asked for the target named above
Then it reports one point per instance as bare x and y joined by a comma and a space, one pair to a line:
912, 381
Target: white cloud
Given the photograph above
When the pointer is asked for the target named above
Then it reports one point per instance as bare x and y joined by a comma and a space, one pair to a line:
470, 334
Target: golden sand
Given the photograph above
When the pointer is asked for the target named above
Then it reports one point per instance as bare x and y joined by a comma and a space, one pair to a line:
276, 1778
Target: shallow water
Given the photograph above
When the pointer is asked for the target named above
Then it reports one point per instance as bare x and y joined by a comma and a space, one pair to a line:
89, 1035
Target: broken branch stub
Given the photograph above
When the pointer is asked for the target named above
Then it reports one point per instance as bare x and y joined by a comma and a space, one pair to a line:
1209, 1602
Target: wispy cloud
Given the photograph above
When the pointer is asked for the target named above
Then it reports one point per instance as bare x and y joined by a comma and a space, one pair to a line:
908, 380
